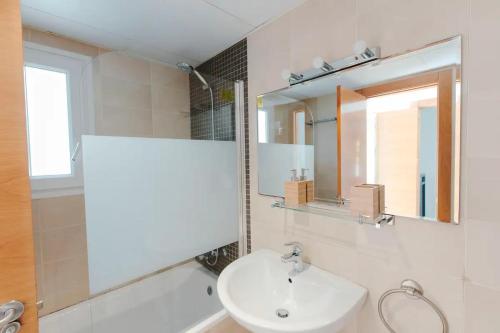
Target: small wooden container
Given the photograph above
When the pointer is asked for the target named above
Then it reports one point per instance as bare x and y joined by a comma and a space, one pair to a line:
310, 190
295, 192
381, 197
365, 200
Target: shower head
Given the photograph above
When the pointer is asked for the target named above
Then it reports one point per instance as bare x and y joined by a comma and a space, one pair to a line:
187, 68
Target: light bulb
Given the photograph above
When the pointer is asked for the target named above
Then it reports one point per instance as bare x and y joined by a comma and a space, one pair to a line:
318, 62
359, 47
285, 74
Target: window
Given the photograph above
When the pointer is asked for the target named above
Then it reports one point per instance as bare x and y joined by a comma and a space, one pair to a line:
299, 127
56, 85
48, 122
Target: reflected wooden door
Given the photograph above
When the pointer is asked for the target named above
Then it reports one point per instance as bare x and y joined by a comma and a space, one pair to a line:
17, 268
396, 159
351, 140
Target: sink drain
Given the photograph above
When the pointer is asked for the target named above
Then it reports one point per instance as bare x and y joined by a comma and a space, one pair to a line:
282, 313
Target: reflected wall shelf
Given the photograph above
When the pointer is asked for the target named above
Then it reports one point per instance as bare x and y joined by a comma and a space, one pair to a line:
337, 211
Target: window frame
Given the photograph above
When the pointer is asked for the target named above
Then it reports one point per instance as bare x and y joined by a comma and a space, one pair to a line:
81, 115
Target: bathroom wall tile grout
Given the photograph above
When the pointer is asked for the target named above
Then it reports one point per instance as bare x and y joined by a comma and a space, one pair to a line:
281, 44
56, 220
222, 71
474, 252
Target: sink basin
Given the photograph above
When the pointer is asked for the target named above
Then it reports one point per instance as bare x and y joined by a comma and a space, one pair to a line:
257, 293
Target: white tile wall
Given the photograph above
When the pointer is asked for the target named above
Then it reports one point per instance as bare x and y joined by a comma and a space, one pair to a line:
457, 265
482, 306
76, 319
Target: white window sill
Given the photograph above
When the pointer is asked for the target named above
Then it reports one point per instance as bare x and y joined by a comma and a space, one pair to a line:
53, 193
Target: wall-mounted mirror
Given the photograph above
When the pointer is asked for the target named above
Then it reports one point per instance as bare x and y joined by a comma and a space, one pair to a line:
393, 121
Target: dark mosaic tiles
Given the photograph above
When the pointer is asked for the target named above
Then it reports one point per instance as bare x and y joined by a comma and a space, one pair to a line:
221, 72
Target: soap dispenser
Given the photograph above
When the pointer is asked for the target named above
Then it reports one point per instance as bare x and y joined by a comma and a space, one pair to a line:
295, 190
309, 185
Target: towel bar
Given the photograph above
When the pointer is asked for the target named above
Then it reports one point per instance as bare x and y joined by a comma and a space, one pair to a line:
414, 290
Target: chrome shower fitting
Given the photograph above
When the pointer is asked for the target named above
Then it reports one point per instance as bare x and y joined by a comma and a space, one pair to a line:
187, 68
213, 253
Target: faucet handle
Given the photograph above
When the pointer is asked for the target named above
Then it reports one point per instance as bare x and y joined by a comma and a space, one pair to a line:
297, 248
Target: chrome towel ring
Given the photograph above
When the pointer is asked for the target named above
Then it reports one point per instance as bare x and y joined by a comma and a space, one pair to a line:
413, 290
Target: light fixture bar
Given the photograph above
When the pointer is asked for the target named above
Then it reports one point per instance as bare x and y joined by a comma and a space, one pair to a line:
368, 55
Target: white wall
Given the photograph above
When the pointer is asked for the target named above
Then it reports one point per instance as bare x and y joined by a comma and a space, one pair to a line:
457, 265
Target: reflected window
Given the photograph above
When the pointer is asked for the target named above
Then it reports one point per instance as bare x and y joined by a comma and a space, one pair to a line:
262, 126
299, 134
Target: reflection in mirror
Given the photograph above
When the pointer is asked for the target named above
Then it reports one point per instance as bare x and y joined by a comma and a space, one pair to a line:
286, 138
411, 139
298, 135
403, 125
285, 121
393, 122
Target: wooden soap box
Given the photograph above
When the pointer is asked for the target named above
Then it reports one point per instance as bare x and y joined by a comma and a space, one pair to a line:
368, 200
295, 192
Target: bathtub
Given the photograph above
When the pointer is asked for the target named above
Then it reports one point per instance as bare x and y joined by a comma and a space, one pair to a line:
176, 300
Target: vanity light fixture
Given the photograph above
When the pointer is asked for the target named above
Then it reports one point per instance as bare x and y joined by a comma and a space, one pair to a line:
319, 63
361, 50
287, 75
362, 55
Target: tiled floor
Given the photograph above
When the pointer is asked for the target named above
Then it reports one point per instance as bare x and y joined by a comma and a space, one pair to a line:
228, 325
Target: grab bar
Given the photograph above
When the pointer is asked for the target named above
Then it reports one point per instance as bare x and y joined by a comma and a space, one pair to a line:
76, 151
414, 290
327, 120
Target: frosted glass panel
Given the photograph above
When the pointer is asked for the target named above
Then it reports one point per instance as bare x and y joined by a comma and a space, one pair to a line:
151, 203
275, 162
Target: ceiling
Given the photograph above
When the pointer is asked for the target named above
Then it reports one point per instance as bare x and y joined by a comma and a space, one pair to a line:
168, 31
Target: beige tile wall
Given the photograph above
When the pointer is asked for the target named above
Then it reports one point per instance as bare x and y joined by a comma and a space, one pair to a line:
61, 251
133, 97
457, 265
140, 98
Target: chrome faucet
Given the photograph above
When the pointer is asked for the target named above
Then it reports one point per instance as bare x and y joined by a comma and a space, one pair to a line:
294, 257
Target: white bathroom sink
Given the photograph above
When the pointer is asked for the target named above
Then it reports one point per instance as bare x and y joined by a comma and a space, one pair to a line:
254, 287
